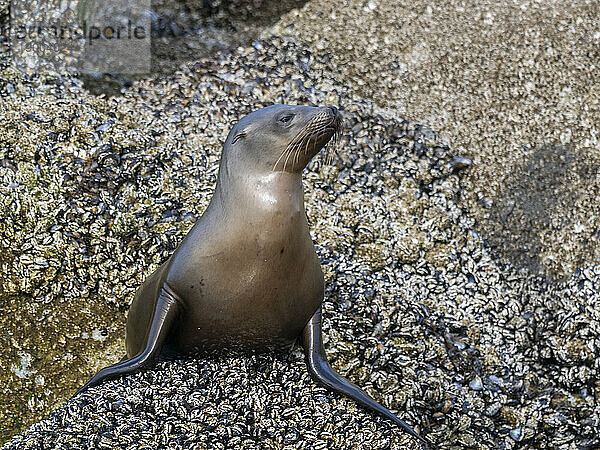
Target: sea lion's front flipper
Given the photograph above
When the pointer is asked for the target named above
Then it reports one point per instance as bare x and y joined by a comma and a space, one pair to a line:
323, 373
166, 310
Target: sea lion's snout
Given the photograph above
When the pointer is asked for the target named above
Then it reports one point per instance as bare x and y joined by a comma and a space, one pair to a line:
331, 133
337, 119
333, 113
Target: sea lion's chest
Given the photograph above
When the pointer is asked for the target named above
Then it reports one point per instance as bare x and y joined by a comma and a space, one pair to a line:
254, 285
271, 255
252, 269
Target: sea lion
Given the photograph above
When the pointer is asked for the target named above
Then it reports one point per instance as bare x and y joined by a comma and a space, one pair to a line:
247, 276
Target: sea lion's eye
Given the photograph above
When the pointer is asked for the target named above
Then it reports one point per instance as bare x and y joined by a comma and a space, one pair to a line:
286, 119
237, 138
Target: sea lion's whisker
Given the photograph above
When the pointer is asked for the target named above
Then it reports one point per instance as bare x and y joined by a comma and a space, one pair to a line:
279, 159
331, 144
308, 141
297, 147
296, 155
287, 150
286, 160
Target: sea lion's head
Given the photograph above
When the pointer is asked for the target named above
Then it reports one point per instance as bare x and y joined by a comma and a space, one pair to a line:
281, 138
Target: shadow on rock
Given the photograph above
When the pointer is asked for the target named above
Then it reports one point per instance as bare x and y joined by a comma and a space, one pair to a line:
534, 211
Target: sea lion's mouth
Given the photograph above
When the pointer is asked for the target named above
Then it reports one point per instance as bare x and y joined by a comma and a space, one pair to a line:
318, 133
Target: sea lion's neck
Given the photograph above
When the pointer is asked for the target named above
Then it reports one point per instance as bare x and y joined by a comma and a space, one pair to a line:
246, 192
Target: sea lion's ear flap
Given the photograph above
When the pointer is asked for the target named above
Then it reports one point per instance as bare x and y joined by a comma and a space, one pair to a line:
237, 137
242, 132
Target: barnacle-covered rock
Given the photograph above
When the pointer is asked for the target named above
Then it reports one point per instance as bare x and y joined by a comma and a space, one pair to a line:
467, 348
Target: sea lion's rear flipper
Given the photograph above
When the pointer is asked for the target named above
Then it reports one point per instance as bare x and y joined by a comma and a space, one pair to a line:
166, 310
323, 373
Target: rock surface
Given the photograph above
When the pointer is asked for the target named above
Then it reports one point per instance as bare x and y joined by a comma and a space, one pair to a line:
466, 346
